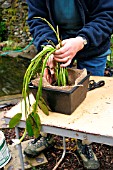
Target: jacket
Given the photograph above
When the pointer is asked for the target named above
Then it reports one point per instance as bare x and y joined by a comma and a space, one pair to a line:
97, 18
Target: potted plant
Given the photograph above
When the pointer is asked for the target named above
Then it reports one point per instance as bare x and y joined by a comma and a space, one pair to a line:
37, 65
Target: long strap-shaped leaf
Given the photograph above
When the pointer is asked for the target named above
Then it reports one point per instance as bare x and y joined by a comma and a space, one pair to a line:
30, 72
39, 92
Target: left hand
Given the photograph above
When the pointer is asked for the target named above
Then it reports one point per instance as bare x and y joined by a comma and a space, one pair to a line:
49, 72
69, 49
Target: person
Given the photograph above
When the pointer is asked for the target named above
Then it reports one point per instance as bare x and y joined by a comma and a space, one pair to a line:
85, 28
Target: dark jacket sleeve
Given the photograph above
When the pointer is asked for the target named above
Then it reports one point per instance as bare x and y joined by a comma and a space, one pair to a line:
39, 29
98, 24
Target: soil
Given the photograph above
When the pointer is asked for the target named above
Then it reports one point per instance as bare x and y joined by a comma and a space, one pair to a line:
71, 161
75, 76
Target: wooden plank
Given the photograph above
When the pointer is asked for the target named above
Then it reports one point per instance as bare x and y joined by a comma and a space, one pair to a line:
28, 162
93, 116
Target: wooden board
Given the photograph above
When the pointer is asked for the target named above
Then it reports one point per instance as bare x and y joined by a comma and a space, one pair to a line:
93, 116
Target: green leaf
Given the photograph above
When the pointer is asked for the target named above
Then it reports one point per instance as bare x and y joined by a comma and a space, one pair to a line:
29, 124
33, 124
15, 120
44, 102
36, 119
36, 130
43, 107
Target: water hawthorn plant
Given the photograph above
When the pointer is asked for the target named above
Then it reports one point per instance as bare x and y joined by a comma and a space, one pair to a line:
37, 65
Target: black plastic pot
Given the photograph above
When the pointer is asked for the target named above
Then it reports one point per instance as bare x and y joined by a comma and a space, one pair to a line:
63, 101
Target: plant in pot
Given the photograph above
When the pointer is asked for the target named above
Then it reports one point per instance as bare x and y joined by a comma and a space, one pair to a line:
37, 65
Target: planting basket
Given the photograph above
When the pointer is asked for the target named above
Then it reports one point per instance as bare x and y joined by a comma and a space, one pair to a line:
63, 101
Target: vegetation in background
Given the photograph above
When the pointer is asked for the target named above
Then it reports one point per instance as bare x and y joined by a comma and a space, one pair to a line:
10, 46
2, 31
15, 17
110, 57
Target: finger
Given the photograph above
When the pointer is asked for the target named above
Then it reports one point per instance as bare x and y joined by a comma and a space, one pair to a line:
66, 59
45, 73
51, 62
66, 64
51, 78
52, 71
51, 66
61, 44
62, 50
61, 56
58, 46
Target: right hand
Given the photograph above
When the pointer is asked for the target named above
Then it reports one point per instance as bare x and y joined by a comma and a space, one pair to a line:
68, 51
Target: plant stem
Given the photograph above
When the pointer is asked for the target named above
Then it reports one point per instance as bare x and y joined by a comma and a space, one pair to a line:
39, 92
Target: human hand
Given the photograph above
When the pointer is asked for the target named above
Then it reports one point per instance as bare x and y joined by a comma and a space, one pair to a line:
69, 49
49, 72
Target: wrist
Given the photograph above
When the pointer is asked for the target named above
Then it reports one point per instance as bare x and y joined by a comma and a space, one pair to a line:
84, 40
